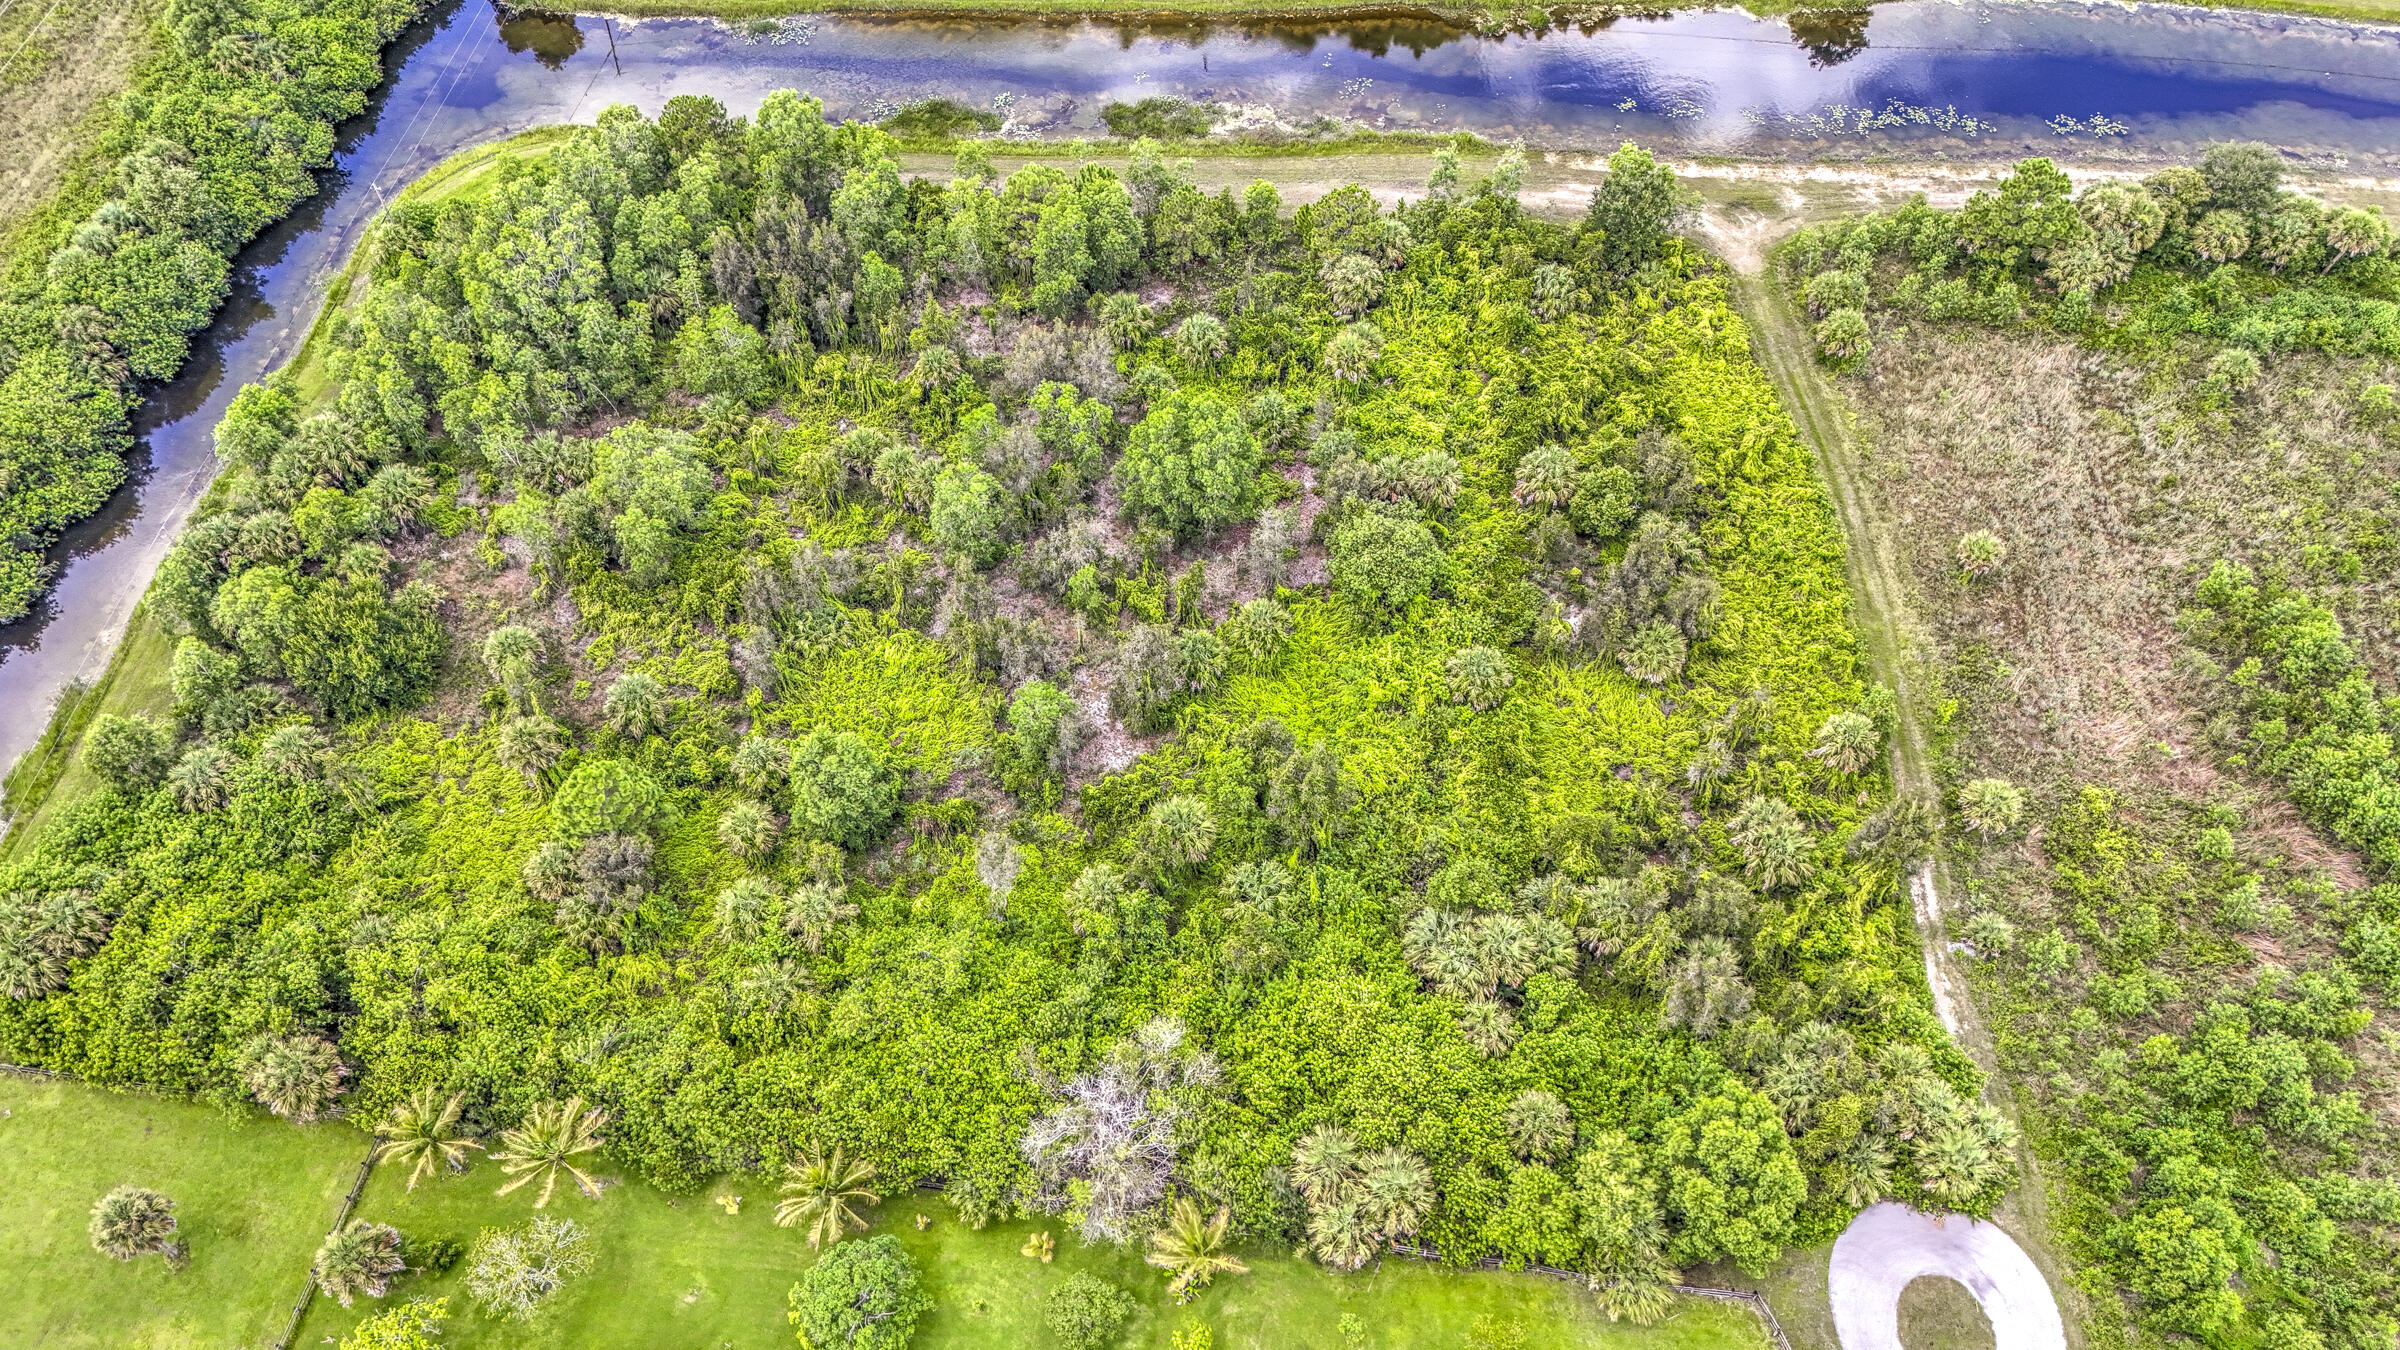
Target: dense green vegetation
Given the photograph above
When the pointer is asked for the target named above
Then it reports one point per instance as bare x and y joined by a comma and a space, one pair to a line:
2180, 980
1073, 688
231, 117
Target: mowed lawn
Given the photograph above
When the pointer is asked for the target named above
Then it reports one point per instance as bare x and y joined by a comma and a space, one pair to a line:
682, 1273
254, 1196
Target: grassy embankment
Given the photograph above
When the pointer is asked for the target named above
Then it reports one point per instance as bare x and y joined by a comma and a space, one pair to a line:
254, 1196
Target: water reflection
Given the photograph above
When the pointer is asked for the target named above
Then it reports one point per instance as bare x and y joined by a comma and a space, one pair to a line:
552, 38
1829, 36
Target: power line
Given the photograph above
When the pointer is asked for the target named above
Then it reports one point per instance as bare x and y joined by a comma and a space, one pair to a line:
29, 34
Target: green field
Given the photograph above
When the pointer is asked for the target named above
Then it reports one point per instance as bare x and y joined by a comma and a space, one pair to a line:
254, 1196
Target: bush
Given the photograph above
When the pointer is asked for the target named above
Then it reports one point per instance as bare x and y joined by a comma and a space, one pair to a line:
1991, 807
1086, 1312
1162, 119
842, 793
939, 119
415, 1325
608, 796
129, 753
862, 1295
1382, 560
1843, 335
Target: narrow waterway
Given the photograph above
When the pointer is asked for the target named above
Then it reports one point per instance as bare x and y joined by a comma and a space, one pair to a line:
1936, 79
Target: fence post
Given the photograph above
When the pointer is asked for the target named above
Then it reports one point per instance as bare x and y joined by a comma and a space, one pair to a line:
308, 1282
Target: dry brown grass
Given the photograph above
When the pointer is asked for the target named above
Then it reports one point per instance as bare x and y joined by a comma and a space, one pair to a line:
2115, 493
70, 60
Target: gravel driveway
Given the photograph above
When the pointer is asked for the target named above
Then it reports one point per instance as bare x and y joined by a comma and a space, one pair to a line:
1888, 1245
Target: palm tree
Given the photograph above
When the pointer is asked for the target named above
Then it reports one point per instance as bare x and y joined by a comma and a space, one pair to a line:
294, 750
820, 1191
546, 1143
530, 745
1193, 1247
201, 779
1325, 1164
1848, 742
747, 830
636, 706
1773, 843
1539, 1126
296, 1077
133, 1221
423, 1133
1342, 1234
1706, 991
359, 1258
812, 912
1991, 806
1398, 1190
1488, 1027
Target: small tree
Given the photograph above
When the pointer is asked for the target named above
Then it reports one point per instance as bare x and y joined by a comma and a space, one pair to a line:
1383, 560
608, 796
1086, 1312
861, 1295
842, 793
512, 1272
129, 753
133, 1221
545, 1145
1991, 807
296, 1076
359, 1258
821, 1192
1191, 464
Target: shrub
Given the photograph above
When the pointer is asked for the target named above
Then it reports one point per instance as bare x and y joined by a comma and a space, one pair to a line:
842, 792
129, 753
1382, 560
608, 796
415, 1325
1843, 335
1980, 553
862, 1295
1086, 1312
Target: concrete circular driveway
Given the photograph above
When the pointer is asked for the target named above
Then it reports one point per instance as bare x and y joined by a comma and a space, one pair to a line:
1889, 1244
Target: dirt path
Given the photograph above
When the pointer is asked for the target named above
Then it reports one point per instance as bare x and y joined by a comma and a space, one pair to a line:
1897, 652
